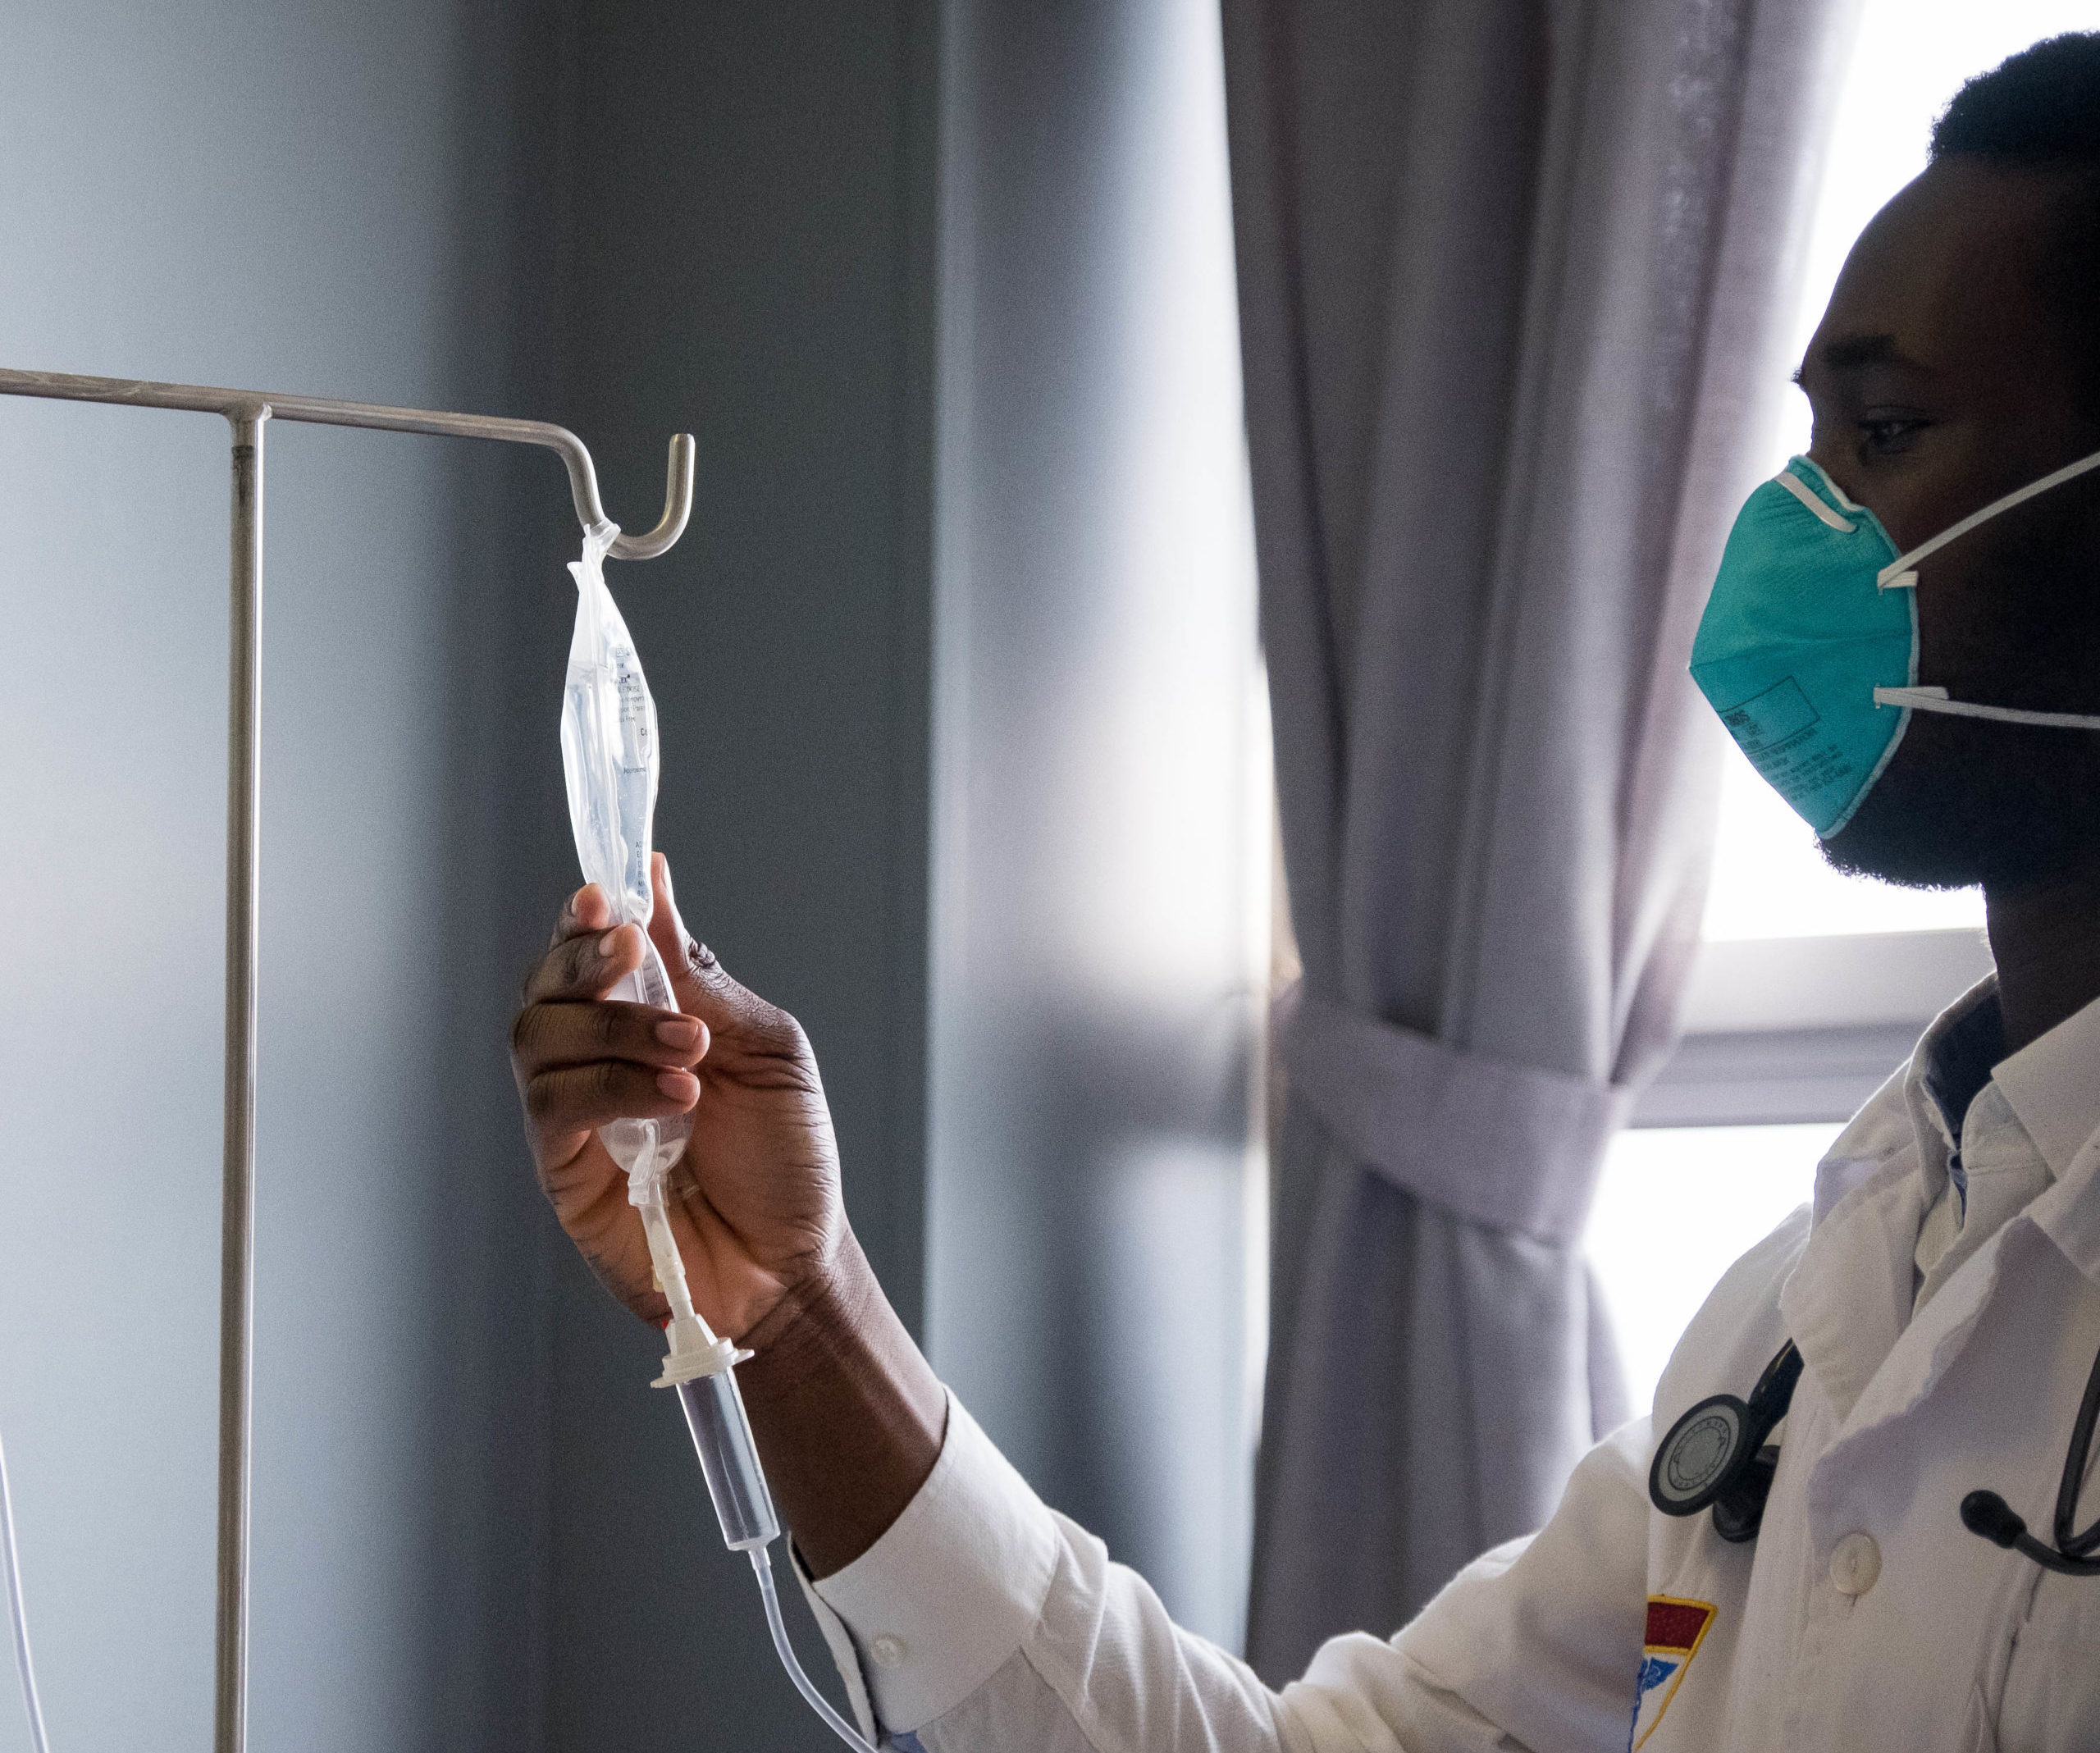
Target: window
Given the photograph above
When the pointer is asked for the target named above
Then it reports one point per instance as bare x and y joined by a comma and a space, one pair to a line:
1810, 987
1675, 1207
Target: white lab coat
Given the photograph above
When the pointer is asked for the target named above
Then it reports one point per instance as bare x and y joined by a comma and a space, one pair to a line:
1865, 1615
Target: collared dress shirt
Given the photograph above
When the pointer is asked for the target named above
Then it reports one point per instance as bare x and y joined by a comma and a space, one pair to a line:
1944, 1291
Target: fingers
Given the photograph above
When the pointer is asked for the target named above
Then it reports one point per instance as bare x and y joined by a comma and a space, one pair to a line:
704, 987
574, 1033
565, 1099
585, 963
587, 909
674, 943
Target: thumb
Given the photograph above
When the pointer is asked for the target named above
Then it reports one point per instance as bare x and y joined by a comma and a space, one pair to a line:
703, 986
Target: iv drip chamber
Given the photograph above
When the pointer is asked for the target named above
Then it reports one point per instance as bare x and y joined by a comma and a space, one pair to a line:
714, 1413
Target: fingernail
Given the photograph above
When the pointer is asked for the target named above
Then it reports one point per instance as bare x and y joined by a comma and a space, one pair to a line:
609, 945
679, 1031
680, 1086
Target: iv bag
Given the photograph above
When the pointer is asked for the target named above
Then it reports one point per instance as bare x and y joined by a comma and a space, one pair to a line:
611, 762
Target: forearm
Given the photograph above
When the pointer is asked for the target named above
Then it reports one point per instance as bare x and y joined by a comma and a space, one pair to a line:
1006, 1626
848, 1414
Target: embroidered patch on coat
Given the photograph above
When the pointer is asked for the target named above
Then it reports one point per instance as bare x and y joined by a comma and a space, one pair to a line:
1675, 1629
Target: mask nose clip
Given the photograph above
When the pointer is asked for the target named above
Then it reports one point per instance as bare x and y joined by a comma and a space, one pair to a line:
1801, 489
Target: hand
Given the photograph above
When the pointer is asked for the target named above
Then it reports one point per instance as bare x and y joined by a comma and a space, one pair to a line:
848, 1414
755, 1201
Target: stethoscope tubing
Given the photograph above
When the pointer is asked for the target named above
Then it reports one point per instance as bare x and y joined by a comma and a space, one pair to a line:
2070, 1545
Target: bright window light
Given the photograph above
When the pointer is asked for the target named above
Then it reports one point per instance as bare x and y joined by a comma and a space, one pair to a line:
1675, 1207
1770, 881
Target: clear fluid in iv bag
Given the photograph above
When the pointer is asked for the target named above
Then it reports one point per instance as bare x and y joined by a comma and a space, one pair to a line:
610, 760
603, 713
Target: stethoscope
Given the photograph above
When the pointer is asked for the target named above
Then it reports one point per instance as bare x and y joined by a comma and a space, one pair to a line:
1716, 1456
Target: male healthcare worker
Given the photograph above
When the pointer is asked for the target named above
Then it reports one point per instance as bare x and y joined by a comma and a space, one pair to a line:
1941, 1297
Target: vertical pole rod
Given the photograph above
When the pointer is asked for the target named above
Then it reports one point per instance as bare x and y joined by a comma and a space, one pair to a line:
237, 1254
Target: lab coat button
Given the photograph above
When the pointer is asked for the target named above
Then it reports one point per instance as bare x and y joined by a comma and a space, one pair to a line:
1855, 1564
888, 1651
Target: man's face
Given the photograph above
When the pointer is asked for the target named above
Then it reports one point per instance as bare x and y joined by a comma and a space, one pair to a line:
1940, 380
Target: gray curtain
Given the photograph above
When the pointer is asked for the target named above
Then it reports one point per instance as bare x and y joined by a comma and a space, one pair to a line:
1513, 280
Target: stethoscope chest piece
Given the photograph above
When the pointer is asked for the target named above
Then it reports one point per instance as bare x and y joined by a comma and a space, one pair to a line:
1699, 1458
1716, 1454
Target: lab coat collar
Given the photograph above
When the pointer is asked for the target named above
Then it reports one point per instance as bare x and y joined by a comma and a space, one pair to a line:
1939, 1133
1849, 1299
1850, 1295
2052, 1086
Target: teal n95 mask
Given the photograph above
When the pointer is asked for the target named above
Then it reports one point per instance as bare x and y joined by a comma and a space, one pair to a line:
1809, 646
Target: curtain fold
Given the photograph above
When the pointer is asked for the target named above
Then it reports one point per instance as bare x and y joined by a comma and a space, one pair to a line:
1512, 286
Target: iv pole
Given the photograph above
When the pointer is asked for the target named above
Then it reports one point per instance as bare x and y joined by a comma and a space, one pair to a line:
245, 411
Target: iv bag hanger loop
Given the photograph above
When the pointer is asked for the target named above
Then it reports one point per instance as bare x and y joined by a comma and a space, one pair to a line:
234, 404
248, 412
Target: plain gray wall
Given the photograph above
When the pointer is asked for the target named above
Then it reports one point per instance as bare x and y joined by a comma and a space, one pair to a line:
1101, 829
330, 199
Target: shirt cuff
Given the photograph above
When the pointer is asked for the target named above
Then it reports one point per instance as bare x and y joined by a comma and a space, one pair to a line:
839, 1642
954, 1586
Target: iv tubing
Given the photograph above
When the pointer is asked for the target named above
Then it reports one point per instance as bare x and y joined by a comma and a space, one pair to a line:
762, 1562
20, 1616
736, 1480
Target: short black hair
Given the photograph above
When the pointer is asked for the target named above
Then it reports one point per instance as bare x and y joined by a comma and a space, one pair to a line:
2040, 110
2040, 107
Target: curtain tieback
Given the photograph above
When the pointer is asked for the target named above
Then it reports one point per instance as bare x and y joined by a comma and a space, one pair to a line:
1489, 1140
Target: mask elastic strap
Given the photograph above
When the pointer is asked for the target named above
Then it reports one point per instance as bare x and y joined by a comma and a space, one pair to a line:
1935, 700
1900, 575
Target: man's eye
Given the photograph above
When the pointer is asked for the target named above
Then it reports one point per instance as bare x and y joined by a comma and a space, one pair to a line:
1889, 437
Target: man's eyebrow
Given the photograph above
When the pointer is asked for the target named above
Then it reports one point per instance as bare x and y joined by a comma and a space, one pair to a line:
1855, 353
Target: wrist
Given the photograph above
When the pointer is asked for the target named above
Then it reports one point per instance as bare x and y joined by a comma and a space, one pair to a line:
816, 1326
848, 1414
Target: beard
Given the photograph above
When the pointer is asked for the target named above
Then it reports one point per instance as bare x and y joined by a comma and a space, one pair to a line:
1965, 802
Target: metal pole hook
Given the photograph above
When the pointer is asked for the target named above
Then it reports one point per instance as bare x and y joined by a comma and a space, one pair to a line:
677, 502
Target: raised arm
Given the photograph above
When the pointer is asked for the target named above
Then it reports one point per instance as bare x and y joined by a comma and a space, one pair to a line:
847, 1413
968, 1617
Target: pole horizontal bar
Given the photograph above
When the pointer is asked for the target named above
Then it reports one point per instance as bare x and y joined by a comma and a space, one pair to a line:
313, 410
